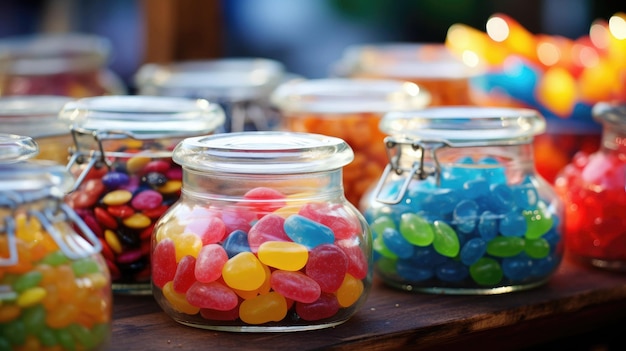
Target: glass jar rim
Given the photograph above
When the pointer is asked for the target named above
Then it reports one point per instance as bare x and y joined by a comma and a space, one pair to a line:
33, 115
263, 152
612, 112
348, 95
144, 117
466, 125
15, 148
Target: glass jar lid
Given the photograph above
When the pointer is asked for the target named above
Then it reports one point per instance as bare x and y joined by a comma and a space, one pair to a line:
466, 125
16, 148
144, 117
345, 95
270, 152
33, 115
229, 78
611, 112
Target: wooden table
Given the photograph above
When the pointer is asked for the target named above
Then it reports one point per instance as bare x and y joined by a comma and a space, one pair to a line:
576, 300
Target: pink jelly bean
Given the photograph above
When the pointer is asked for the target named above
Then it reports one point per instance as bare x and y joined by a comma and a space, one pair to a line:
327, 265
268, 228
174, 174
147, 200
91, 222
209, 264
185, 274
237, 219
326, 306
129, 256
333, 216
358, 265
295, 285
216, 315
163, 262
213, 295
269, 200
210, 229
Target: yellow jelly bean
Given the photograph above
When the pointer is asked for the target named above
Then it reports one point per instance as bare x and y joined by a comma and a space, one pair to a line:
31, 297
170, 187
112, 240
263, 289
168, 230
137, 221
244, 272
62, 316
117, 197
271, 307
285, 255
178, 301
350, 291
136, 163
187, 244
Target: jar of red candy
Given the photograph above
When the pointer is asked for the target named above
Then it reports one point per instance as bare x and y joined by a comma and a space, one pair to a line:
55, 288
349, 109
460, 208
37, 117
72, 65
125, 177
593, 187
262, 238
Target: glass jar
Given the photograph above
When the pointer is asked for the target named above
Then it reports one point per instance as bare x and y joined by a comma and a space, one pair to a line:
71, 65
242, 87
55, 288
432, 66
36, 117
262, 238
125, 177
460, 208
349, 109
593, 187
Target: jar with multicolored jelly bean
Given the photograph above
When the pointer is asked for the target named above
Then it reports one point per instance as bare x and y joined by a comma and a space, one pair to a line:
73, 65
36, 116
125, 177
55, 288
593, 187
349, 109
262, 239
460, 208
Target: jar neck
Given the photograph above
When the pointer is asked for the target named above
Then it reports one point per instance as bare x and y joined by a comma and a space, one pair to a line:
613, 138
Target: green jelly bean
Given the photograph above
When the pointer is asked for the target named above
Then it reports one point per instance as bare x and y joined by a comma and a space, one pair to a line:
47, 337
505, 246
537, 248
82, 335
386, 266
381, 223
27, 281
14, 332
539, 221
416, 230
445, 240
65, 339
5, 345
84, 267
379, 246
34, 319
55, 259
486, 271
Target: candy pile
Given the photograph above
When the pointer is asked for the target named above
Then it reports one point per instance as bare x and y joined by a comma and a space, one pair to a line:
266, 260
472, 233
47, 301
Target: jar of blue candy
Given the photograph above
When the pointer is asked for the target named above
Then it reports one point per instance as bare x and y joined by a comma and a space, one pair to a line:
460, 208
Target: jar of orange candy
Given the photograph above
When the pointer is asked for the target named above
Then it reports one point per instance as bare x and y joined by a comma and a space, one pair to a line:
55, 290
349, 109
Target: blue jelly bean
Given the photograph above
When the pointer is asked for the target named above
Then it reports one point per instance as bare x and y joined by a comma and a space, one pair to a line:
494, 172
454, 177
236, 242
501, 199
452, 271
441, 201
396, 243
465, 215
307, 232
114, 180
426, 257
473, 249
517, 269
553, 238
545, 266
513, 224
407, 270
488, 225
476, 188
526, 196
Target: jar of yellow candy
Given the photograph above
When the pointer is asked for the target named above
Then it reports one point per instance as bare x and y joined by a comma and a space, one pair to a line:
55, 290
125, 177
262, 239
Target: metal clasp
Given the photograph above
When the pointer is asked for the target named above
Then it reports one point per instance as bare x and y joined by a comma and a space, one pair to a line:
418, 170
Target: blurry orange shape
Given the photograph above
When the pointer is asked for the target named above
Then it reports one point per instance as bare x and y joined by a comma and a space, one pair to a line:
557, 91
468, 43
599, 34
503, 28
597, 83
555, 50
584, 53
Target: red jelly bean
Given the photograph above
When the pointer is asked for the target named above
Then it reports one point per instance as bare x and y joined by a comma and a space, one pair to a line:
129, 256
159, 166
157, 212
333, 216
210, 229
91, 221
357, 262
268, 199
174, 174
212, 295
105, 218
146, 233
216, 315
211, 260
80, 199
163, 262
147, 200
184, 277
237, 219
268, 228
94, 187
121, 211
326, 306
327, 265
295, 285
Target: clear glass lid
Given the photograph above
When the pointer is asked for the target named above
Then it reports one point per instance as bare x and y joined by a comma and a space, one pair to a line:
144, 117
270, 152
611, 112
33, 115
345, 95
466, 125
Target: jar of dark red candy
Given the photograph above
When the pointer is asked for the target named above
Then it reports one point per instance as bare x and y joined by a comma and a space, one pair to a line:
37, 117
460, 208
125, 177
262, 238
593, 187
55, 288
71, 64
